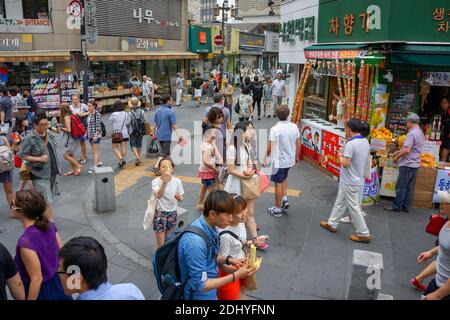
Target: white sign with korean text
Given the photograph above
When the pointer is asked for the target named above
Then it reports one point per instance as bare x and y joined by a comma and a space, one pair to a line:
442, 184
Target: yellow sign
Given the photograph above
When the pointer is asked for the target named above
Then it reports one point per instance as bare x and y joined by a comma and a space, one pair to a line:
27, 38
161, 42
215, 31
67, 70
210, 56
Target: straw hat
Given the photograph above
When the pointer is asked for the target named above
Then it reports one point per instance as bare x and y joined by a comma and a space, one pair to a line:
134, 102
444, 196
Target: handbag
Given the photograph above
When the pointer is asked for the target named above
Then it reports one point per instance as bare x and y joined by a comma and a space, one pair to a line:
435, 224
117, 135
154, 147
250, 188
150, 212
237, 107
264, 181
223, 175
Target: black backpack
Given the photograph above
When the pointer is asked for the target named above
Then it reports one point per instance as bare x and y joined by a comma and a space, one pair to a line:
103, 129
166, 267
138, 124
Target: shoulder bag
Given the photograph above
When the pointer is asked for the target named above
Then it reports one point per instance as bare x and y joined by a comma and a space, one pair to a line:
117, 135
150, 212
251, 187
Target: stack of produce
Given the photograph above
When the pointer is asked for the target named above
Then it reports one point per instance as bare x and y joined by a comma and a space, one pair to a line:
401, 140
382, 134
427, 160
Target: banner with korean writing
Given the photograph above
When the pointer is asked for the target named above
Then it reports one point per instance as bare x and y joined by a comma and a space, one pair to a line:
371, 192
389, 181
442, 184
331, 143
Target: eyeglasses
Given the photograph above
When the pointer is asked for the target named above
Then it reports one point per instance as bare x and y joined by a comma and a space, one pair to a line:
220, 116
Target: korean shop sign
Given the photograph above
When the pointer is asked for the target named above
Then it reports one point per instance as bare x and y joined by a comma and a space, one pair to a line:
350, 21
200, 39
10, 42
302, 29
143, 44
18, 25
384, 20
140, 18
251, 40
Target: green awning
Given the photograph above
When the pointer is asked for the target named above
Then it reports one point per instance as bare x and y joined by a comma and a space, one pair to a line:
429, 55
334, 47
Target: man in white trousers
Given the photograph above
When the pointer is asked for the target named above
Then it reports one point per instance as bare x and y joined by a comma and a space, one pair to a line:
179, 88
353, 165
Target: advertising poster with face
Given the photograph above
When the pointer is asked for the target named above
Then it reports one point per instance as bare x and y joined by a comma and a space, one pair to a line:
312, 142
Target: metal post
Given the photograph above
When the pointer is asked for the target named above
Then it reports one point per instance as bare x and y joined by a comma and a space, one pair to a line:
85, 62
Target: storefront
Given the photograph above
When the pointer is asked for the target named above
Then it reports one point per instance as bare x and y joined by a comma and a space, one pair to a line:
251, 48
294, 37
271, 51
396, 67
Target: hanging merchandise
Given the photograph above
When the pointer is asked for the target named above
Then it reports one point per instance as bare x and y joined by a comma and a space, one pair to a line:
360, 85
348, 100
374, 93
45, 92
310, 66
297, 101
353, 102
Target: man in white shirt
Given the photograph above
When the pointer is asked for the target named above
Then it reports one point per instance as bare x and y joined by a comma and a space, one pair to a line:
147, 92
179, 88
284, 146
279, 90
353, 167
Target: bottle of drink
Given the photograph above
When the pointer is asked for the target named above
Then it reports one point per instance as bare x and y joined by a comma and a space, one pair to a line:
433, 130
438, 131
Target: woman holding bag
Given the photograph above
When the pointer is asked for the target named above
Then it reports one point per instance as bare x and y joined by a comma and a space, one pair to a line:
119, 134
242, 174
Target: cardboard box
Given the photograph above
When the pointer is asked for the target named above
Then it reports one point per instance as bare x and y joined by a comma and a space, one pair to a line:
426, 179
445, 208
422, 204
423, 196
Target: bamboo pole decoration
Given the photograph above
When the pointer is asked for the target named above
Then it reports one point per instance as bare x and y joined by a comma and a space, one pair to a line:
338, 73
368, 92
353, 88
370, 95
302, 91
374, 93
348, 100
297, 95
360, 92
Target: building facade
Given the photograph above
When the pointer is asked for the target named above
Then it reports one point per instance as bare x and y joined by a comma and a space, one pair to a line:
258, 11
134, 38
207, 10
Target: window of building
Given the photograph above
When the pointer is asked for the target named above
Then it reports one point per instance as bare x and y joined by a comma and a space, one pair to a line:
2, 9
35, 9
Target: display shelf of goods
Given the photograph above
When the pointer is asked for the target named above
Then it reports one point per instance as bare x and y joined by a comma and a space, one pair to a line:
315, 100
401, 140
46, 92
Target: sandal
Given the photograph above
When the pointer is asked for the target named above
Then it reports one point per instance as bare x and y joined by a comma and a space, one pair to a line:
77, 173
69, 173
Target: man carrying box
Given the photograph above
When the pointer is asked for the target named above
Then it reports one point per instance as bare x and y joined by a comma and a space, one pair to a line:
408, 158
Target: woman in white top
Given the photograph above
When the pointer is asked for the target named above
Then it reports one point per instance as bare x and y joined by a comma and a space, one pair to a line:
169, 191
120, 121
240, 167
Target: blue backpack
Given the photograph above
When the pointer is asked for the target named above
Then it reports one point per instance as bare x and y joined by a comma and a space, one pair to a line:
166, 267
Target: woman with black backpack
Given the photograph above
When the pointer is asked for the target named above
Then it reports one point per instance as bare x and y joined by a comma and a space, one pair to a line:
136, 128
95, 134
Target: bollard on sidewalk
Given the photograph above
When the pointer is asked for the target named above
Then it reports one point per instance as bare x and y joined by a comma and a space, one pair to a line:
365, 276
105, 192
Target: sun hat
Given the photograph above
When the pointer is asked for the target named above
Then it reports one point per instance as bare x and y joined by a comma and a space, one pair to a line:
134, 102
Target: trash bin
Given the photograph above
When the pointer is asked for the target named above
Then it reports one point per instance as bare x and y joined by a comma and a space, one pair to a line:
105, 191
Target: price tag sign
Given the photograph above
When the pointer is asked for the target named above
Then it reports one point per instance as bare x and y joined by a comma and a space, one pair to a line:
377, 145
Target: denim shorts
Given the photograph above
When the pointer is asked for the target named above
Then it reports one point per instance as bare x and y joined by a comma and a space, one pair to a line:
209, 182
91, 141
279, 175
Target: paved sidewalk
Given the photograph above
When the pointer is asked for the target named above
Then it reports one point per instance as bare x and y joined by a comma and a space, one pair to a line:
303, 261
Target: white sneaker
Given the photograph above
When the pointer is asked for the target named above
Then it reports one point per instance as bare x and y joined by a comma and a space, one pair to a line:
347, 219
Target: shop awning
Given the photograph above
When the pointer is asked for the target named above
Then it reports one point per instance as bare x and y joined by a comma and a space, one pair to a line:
336, 51
429, 55
139, 55
35, 56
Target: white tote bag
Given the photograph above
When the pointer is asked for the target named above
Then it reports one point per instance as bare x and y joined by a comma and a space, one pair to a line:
150, 212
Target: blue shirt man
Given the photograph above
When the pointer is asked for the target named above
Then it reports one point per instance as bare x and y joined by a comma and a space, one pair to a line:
197, 263
107, 291
165, 118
